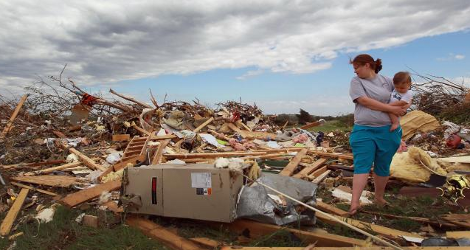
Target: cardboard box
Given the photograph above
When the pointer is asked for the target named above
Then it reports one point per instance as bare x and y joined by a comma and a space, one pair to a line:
195, 191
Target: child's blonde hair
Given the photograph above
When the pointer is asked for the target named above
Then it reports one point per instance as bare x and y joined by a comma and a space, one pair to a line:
402, 77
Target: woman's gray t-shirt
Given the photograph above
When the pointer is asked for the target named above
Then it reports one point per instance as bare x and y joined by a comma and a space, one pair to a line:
378, 88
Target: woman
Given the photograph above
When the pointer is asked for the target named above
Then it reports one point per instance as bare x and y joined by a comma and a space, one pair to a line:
372, 142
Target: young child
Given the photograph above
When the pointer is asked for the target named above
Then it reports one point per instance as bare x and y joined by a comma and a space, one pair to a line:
401, 95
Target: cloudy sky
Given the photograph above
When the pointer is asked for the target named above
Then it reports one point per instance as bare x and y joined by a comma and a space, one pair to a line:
281, 55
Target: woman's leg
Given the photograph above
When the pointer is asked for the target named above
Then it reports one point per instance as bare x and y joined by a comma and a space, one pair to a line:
359, 182
387, 144
380, 182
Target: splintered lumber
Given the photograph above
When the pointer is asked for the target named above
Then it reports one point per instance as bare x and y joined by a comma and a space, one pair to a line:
332, 155
13, 116
145, 105
457, 159
79, 197
317, 172
289, 169
309, 169
330, 209
158, 155
65, 166
33, 165
121, 137
245, 126
462, 220
113, 206
338, 248
59, 134
87, 161
203, 125
311, 151
321, 177
162, 137
34, 189
48, 180
7, 223
162, 234
385, 231
211, 155
258, 229
311, 125
268, 156
212, 244
434, 222
122, 164
141, 130
251, 134
458, 234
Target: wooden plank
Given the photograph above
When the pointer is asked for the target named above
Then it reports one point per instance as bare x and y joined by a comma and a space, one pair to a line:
257, 229
268, 156
65, 166
244, 125
203, 125
210, 243
385, 231
86, 160
158, 155
33, 164
462, 220
33, 188
48, 180
79, 197
251, 134
289, 169
141, 130
111, 205
308, 170
321, 177
161, 234
122, 164
163, 137
59, 134
311, 125
338, 248
145, 105
311, 151
318, 172
121, 137
13, 116
330, 209
10, 218
332, 155
457, 159
211, 155
458, 234
434, 222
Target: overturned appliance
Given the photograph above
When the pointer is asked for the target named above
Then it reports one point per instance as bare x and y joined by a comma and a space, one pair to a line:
203, 192
194, 191
264, 205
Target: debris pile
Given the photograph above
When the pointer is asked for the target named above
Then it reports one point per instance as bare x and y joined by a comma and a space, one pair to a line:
75, 149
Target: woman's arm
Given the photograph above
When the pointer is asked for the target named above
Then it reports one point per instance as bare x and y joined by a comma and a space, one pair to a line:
376, 105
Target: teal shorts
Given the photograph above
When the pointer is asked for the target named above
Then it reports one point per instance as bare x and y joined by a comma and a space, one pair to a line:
374, 146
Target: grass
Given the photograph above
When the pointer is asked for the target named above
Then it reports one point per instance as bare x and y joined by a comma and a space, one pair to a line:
64, 233
280, 238
332, 125
422, 206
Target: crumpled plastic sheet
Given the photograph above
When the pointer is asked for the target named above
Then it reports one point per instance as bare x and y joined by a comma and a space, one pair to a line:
436, 241
255, 204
